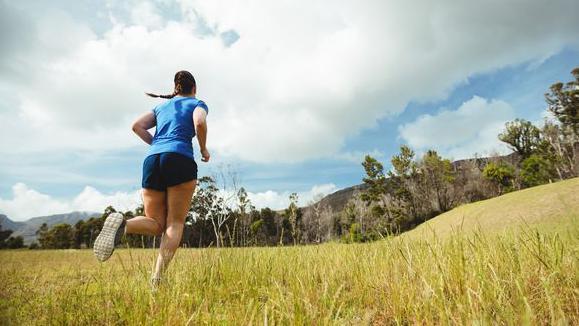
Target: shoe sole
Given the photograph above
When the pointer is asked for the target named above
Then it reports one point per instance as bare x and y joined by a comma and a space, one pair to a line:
155, 283
104, 244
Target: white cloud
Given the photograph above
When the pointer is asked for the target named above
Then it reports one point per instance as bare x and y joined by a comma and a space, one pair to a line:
26, 202
280, 200
472, 128
358, 156
91, 199
145, 13
299, 80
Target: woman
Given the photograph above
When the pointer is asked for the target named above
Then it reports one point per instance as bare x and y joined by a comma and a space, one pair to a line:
169, 173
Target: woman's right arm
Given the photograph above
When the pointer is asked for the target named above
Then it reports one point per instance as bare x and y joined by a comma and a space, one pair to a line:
142, 125
200, 122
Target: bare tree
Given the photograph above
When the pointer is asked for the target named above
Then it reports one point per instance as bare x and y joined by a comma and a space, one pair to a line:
312, 220
215, 198
228, 181
560, 150
242, 222
292, 214
325, 223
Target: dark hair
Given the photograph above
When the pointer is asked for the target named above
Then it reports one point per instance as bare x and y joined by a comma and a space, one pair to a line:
184, 84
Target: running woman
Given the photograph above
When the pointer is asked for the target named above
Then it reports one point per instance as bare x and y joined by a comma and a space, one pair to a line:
169, 173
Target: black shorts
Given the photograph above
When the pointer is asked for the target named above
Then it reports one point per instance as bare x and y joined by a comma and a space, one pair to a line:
166, 170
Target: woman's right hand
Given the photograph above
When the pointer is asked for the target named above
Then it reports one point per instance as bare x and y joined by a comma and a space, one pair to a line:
205, 155
143, 124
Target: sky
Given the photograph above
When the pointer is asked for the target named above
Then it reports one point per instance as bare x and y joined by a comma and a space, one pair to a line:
298, 91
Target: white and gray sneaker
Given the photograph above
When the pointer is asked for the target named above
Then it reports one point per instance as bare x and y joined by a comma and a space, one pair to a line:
110, 235
155, 283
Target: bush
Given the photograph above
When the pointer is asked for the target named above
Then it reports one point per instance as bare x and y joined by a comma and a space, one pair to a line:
536, 170
356, 233
501, 174
15, 242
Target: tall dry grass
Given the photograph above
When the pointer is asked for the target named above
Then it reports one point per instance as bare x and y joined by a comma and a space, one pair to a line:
523, 276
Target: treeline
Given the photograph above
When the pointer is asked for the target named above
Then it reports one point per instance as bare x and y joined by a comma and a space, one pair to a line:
207, 224
7, 241
413, 191
216, 218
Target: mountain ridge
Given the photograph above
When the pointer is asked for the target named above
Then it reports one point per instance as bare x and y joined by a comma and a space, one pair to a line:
27, 229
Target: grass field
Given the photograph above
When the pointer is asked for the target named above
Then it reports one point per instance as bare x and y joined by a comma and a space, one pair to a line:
525, 275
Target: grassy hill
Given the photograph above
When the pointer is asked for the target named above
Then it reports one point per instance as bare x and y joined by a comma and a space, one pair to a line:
549, 207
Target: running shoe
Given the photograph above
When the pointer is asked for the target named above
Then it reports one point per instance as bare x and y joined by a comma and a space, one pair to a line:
110, 236
155, 283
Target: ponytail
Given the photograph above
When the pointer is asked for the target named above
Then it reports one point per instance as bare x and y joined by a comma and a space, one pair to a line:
168, 96
184, 83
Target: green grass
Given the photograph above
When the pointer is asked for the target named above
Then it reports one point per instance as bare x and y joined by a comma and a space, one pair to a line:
524, 275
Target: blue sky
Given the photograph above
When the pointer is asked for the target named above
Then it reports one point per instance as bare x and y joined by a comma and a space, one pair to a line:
298, 94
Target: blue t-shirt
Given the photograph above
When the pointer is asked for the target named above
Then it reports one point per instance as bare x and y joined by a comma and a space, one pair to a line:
175, 129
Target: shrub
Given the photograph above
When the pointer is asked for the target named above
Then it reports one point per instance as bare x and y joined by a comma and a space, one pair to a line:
536, 170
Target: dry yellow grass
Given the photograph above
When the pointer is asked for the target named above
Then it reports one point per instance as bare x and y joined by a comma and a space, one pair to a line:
521, 276
550, 206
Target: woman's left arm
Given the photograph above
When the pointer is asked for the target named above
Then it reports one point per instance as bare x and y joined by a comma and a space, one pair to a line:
142, 125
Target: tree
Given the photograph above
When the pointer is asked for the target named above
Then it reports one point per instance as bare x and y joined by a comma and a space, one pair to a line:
374, 179
244, 208
312, 220
15, 242
268, 217
355, 211
326, 221
469, 183
375, 195
4, 236
501, 174
536, 170
203, 201
62, 236
92, 227
558, 149
257, 231
78, 234
215, 204
44, 237
263, 227
292, 213
403, 163
8, 241
563, 102
355, 234
521, 136
207, 204
439, 177
401, 180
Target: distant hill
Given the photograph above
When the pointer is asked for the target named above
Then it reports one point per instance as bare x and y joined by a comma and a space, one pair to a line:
8, 224
338, 200
27, 229
551, 207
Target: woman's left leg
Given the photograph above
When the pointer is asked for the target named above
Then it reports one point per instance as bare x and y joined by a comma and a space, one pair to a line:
178, 204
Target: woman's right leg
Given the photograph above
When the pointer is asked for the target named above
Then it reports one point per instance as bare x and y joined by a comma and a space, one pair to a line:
153, 223
178, 204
